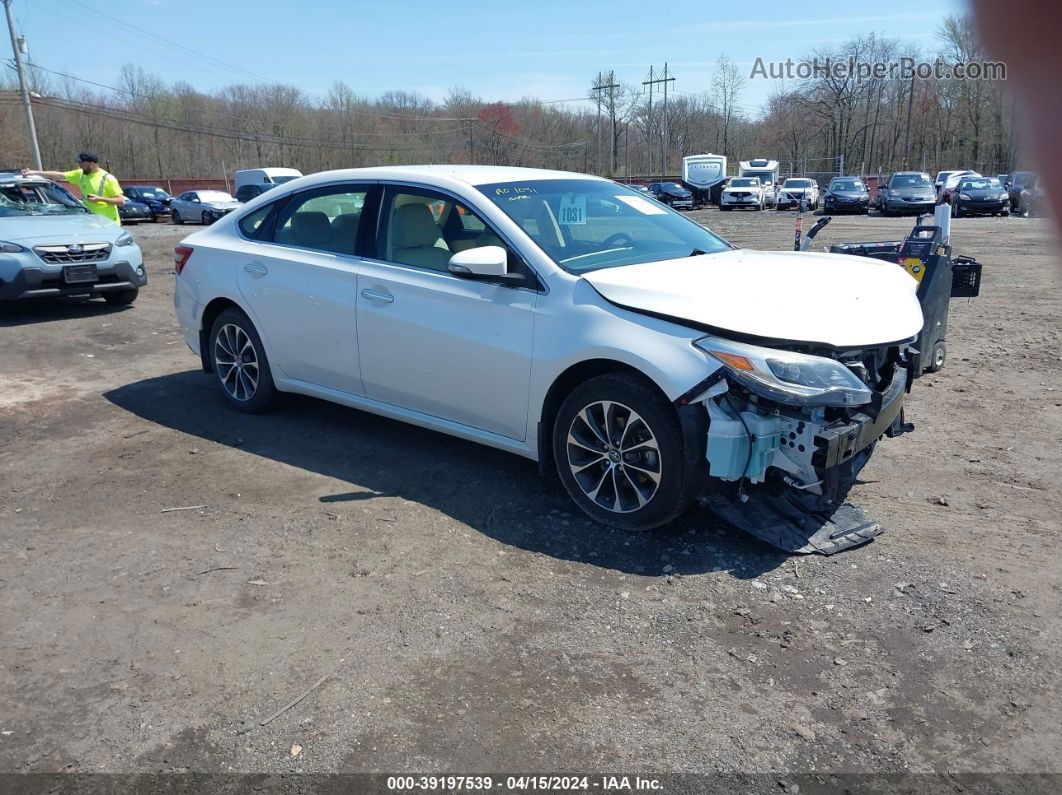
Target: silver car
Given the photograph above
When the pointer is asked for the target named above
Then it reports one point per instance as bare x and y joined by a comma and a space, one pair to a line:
202, 206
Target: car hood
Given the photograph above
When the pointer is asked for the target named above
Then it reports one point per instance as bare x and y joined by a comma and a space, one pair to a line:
223, 205
81, 228
796, 190
993, 192
848, 194
912, 193
831, 299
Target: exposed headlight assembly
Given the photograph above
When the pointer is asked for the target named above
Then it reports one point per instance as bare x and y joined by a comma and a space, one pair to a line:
124, 239
10, 248
786, 377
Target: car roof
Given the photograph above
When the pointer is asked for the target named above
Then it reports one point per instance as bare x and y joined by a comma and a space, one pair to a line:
469, 175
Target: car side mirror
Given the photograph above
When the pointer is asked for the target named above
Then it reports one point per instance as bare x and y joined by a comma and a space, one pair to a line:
484, 263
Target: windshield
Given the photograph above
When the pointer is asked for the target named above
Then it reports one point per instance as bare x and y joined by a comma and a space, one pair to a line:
282, 180
765, 177
797, 183
981, 183
910, 181
215, 196
153, 193
37, 199
745, 182
846, 184
584, 225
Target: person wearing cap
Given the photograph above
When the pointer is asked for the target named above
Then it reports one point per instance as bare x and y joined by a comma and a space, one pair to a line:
99, 190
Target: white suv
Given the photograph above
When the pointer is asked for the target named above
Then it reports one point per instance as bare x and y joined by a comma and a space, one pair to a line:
561, 317
743, 192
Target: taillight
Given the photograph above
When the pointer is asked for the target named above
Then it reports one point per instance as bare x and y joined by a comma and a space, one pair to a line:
180, 258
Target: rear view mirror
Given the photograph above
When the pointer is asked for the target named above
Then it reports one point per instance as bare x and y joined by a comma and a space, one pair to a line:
485, 263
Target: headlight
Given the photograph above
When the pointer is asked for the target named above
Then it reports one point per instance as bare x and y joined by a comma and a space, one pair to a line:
788, 377
124, 239
10, 248
964, 196
1004, 196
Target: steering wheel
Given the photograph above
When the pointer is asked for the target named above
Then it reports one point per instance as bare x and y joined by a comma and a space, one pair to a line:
619, 238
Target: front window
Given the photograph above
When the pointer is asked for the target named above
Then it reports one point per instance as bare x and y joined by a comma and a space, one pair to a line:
846, 184
981, 183
37, 199
745, 182
215, 196
798, 183
766, 177
910, 181
585, 224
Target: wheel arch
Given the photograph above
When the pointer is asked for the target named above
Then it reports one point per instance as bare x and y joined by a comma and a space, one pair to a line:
570, 378
210, 314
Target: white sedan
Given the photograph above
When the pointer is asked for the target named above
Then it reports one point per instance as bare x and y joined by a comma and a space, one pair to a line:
561, 317
202, 206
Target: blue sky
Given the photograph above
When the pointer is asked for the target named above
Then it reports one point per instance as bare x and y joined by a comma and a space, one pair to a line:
498, 50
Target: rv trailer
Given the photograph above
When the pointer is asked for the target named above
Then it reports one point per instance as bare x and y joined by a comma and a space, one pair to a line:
703, 175
767, 171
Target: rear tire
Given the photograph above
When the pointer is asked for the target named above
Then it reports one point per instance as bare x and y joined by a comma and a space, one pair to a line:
121, 297
940, 354
619, 448
239, 361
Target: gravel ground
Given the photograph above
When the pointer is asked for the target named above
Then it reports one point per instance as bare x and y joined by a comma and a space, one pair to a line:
470, 619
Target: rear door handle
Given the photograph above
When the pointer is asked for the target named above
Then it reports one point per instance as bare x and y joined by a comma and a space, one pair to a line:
378, 295
256, 269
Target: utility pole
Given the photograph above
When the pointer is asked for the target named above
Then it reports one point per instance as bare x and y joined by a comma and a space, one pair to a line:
649, 123
663, 125
907, 132
31, 128
599, 86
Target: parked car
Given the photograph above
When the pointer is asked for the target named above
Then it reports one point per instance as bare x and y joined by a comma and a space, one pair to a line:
949, 185
202, 206
743, 192
767, 171
51, 245
797, 189
134, 212
672, 194
942, 176
157, 200
272, 175
372, 287
1019, 181
979, 195
846, 194
248, 192
907, 192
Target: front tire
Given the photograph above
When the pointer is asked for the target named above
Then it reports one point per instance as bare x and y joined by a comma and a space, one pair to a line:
240, 364
940, 354
207, 218
619, 453
177, 218
121, 297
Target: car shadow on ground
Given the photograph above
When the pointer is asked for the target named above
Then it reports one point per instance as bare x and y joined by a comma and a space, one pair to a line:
48, 310
498, 494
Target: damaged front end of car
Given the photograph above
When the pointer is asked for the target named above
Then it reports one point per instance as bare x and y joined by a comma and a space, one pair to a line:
788, 430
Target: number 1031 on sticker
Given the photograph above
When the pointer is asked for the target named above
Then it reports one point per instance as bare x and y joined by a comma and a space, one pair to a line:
572, 211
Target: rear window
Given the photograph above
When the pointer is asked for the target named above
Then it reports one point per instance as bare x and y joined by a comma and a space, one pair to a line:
252, 222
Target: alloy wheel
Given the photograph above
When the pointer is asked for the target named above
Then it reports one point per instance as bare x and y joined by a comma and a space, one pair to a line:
236, 361
614, 456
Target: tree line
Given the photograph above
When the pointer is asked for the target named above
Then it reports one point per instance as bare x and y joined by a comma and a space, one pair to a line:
144, 127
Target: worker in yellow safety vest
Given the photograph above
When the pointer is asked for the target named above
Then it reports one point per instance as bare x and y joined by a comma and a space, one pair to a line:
99, 190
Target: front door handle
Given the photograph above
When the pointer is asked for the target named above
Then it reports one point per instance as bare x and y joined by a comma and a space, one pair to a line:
256, 269
378, 295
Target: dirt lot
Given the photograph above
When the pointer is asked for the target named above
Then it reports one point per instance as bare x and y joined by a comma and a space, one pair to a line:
469, 619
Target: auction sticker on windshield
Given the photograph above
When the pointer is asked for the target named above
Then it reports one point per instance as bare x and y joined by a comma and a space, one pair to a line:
643, 206
572, 210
